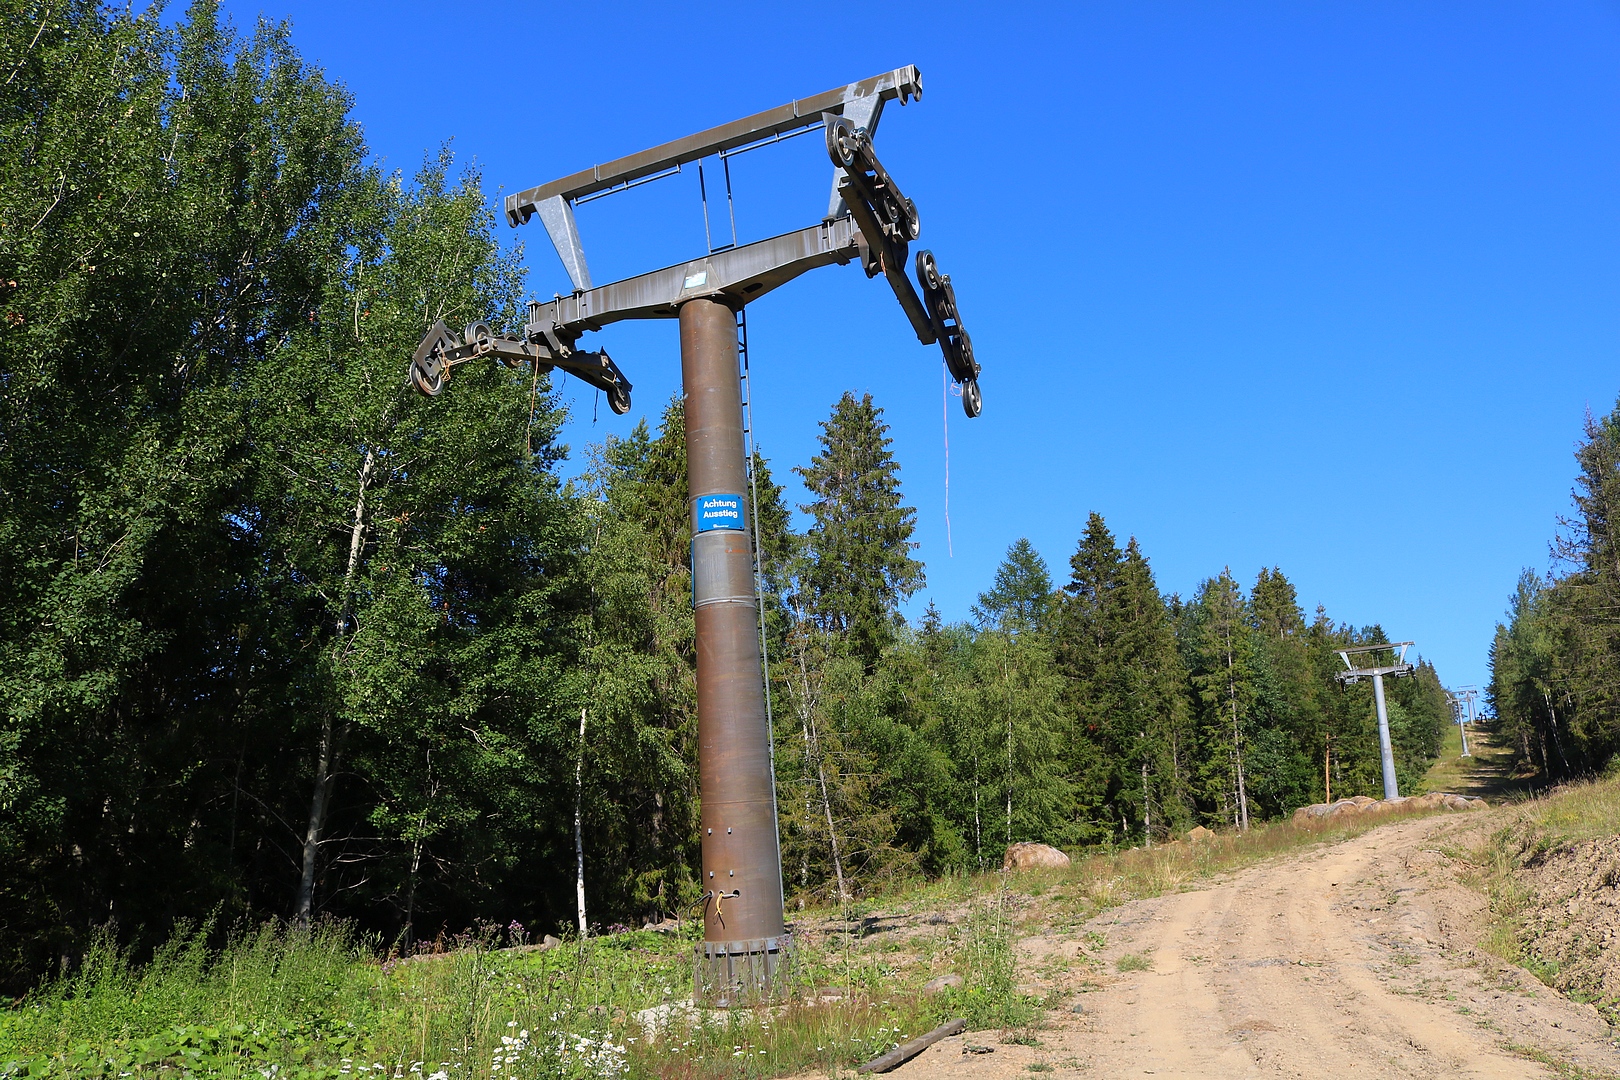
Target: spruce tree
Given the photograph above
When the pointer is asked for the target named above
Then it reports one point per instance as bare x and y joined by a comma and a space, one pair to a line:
857, 565
1224, 677
1289, 746
1080, 647
1021, 597
1117, 649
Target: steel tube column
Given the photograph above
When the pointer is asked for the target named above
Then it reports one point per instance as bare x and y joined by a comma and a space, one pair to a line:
1385, 750
745, 940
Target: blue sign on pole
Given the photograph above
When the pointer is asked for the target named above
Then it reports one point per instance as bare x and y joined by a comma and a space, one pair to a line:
712, 512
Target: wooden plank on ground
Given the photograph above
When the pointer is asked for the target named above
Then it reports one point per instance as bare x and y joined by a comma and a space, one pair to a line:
906, 1051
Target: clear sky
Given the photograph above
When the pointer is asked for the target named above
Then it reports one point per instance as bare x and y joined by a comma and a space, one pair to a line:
1326, 287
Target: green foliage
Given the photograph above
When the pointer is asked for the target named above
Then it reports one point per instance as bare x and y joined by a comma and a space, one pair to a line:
1553, 663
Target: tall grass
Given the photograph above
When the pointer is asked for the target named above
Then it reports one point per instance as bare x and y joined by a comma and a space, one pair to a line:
280, 1002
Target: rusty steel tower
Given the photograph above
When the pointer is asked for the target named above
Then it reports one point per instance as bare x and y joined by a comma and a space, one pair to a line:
745, 941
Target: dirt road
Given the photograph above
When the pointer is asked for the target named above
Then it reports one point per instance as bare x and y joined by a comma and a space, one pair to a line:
1358, 959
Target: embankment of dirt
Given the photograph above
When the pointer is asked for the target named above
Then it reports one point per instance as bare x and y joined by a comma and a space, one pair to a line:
1570, 927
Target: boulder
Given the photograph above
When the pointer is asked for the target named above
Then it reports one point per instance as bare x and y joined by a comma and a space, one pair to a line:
1199, 835
1028, 856
1363, 806
944, 982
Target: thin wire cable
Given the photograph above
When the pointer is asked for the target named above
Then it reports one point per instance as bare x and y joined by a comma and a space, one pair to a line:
945, 416
731, 205
703, 196
759, 567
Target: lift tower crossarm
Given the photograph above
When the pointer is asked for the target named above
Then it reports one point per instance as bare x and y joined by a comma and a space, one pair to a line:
859, 102
740, 275
902, 83
1357, 674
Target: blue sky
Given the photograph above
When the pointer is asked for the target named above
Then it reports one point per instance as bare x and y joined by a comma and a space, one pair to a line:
1326, 287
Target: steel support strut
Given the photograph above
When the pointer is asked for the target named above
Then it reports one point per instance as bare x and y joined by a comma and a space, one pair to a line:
745, 943
1386, 750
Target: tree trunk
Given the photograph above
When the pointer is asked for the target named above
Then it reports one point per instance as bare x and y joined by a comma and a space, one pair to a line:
579, 829
326, 758
1006, 682
978, 827
1552, 715
1237, 738
1327, 774
812, 743
1147, 810
324, 762
1009, 776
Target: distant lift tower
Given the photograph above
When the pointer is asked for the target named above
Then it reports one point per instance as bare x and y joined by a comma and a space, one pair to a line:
1461, 699
1396, 670
868, 221
1457, 714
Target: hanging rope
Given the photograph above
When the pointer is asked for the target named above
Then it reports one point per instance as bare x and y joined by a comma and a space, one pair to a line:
945, 412
534, 397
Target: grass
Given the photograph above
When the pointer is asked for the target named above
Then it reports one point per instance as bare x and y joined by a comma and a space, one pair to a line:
1133, 962
1565, 1070
279, 1003
1488, 771
321, 1004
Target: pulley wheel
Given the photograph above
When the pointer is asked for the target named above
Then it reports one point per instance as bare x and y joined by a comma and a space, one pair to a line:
910, 223
841, 143
927, 271
428, 375
477, 334
619, 399
964, 354
972, 401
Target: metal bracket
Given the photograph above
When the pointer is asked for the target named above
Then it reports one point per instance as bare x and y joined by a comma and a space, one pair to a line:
557, 215
861, 112
441, 351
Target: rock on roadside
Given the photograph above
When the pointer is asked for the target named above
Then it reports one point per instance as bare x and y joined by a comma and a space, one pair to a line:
1027, 856
1362, 806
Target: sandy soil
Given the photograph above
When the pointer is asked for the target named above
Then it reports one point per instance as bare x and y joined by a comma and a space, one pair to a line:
1358, 959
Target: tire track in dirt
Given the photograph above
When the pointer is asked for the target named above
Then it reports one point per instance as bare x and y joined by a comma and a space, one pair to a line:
1358, 959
